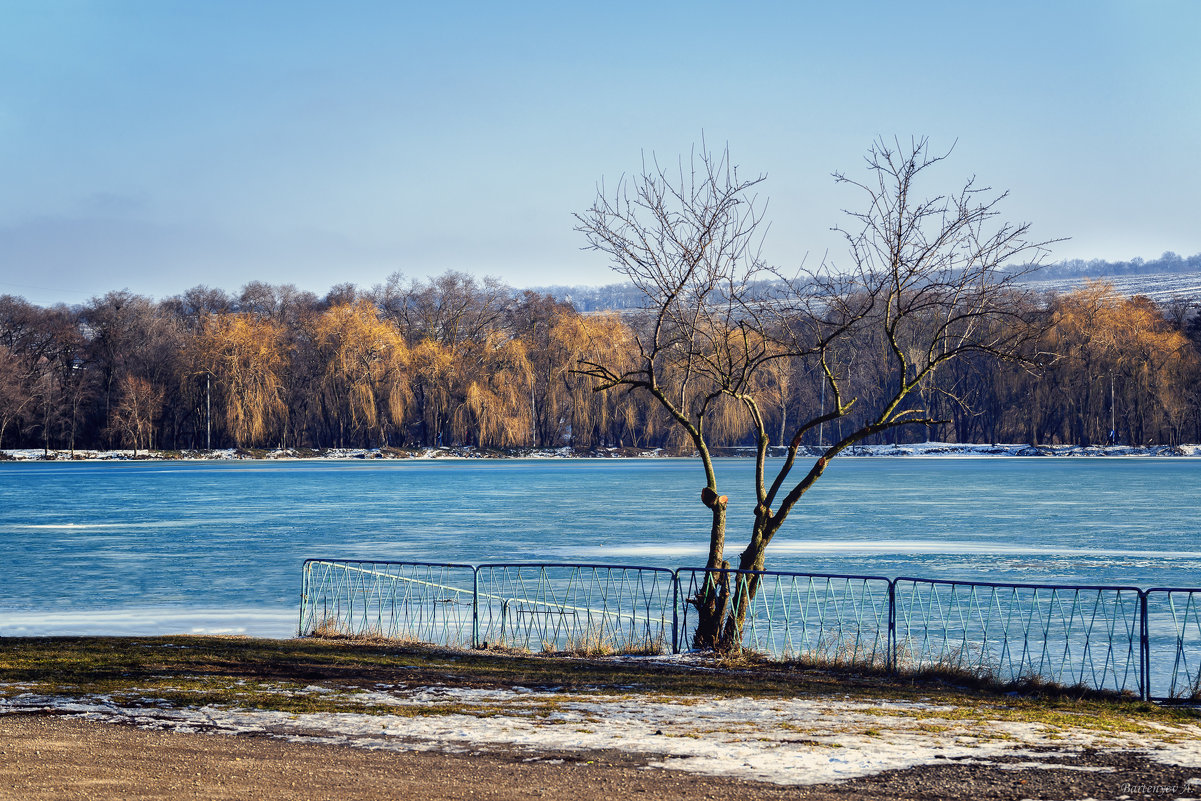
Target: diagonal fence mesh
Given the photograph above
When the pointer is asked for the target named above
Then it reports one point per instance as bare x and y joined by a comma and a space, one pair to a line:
1071, 636
825, 619
431, 603
1173, 637
586, 609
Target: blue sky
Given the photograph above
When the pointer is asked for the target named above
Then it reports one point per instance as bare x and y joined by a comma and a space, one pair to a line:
156, 145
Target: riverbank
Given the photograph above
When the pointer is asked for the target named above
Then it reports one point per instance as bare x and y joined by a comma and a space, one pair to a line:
919, 449
526, 723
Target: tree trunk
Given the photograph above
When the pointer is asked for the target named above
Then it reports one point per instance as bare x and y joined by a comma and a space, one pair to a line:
712, 599
746, 586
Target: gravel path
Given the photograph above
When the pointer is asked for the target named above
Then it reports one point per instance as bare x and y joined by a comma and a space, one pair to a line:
55, 757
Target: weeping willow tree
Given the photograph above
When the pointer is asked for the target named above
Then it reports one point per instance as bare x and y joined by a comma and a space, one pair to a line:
366, 382
922, 286
495, 410
593, 416
432, 369
247, 357
1121, 366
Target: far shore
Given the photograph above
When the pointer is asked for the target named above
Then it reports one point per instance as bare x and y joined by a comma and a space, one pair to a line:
911, 450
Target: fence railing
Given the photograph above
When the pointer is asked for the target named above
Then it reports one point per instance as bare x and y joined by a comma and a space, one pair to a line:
1120, 639
1071, 636
821, 618
539, 607
1172, 638
432, 603
589, 609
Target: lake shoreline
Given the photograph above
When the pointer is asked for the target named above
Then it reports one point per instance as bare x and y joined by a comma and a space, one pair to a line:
911, 450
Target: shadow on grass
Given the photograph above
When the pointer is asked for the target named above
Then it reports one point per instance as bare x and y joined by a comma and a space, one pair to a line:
80, 665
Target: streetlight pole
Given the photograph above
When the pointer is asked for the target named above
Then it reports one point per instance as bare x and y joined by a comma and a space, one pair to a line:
1113, 414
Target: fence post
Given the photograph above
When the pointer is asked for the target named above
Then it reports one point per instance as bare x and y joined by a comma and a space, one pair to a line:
1144, 640
892, 626
475, 607
675, 612
304, 595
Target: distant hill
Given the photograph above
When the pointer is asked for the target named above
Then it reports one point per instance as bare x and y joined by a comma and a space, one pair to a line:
612, 297
1170, 277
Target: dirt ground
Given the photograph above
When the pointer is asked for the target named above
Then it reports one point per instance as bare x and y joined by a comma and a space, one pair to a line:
54, 757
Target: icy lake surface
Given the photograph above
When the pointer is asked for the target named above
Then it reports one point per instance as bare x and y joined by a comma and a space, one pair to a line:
169, 547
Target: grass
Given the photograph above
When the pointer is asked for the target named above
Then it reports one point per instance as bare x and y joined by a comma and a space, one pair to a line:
594, 644
948, 673
274, 674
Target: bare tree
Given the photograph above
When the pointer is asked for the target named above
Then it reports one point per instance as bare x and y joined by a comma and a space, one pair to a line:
15, 394
924, 286
689, 242
451, 309
136, 414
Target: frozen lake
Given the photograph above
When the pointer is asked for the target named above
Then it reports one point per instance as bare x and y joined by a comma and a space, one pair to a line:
166, 547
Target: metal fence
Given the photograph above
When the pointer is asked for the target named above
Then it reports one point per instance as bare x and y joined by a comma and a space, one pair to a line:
417, 601
1120, 639
1172, 637
538, 607
1071, 636
592, 609
828, 619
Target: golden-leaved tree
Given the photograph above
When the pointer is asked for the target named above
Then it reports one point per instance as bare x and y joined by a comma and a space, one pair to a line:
365, 383
246, 356
598, 419
493, 378
433, 372
1122, 368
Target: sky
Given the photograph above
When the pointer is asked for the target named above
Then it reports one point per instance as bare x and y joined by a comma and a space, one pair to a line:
156, 145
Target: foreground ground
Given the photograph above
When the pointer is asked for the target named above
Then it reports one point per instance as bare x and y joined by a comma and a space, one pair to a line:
44, 757
352, 720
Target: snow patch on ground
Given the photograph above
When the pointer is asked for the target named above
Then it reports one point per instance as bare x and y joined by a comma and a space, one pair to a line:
781, 740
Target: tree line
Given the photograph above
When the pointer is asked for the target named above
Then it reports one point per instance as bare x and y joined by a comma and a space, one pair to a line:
457, 361
1168, 262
